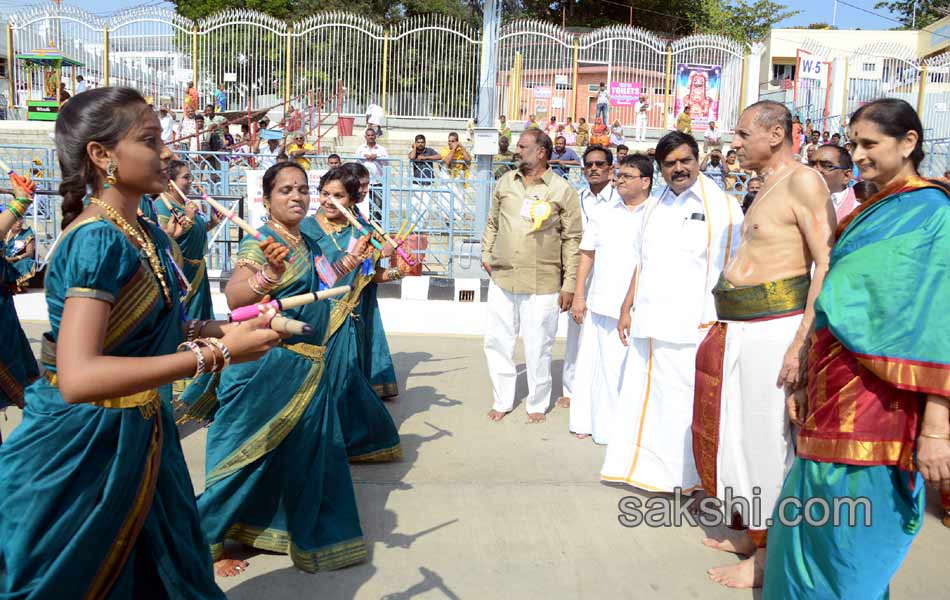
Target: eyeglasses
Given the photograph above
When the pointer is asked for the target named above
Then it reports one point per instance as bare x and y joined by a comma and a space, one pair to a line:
828, 166
627, 177
595, 163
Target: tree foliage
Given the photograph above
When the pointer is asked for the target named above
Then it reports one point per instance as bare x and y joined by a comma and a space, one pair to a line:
743, 20
905, 10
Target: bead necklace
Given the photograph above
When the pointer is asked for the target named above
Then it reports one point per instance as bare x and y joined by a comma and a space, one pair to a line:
144, 242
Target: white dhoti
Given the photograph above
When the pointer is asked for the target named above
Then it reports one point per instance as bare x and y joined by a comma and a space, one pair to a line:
651, 444
593, 413
534, 318
577, 374
640, 131
755, 443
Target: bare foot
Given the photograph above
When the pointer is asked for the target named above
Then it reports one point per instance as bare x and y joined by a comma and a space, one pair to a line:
582, 436
742, 544
535, 418
496, 415
229, 567
564, 402
746, 574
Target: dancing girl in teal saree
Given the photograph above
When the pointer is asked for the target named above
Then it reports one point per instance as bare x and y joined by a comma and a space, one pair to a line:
95, 497
277, 471
17, 365
370, 434
192, 239
20, 253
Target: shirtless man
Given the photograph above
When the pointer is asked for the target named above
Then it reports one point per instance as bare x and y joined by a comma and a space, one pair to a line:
756, 351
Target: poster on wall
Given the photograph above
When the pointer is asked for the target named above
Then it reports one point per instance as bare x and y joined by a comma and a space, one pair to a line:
541, 91
623, 93
256, 215
697, 86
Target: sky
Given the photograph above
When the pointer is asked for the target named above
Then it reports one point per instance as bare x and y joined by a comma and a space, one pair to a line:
814, 11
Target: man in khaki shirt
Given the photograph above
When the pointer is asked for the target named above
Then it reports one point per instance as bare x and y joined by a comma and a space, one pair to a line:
530, 250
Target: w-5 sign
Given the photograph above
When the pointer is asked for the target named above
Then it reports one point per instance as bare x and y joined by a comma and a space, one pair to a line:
813, 67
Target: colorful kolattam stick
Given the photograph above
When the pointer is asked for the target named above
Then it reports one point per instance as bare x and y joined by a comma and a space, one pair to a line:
397, 245
356, 224
244, 225
29, 186
246, 313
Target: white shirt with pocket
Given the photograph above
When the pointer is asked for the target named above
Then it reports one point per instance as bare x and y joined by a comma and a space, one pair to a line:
613, 234
682, 253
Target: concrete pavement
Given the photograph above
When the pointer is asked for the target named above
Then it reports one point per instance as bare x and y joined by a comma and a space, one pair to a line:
487, 510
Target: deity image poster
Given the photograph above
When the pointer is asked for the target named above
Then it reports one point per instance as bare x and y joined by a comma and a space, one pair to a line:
697, 86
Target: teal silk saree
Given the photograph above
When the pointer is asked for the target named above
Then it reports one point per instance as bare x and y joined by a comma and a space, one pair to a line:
95, 498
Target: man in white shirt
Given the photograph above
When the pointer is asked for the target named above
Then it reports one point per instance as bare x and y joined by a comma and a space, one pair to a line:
373, 157
810, 148
834, 164
609, 256
374, 118
575, 379
188, 127
167, 122
81, 85
267, 156
642, 110
688, 235
603, 103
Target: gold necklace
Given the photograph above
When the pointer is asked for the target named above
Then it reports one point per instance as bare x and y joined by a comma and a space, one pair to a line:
334, 229
293, 239
144, 242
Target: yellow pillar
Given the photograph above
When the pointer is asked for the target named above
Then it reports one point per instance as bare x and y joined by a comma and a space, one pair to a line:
920, 90
105, 56
668, 90
745, 68
288, 61
194, 58
11, 71
385, 70
844, 96
73, 81
577, 51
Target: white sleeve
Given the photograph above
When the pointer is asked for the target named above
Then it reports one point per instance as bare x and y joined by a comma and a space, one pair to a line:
591, 238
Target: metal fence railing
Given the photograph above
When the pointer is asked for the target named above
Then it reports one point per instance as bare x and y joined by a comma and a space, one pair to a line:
426, 66
445, 208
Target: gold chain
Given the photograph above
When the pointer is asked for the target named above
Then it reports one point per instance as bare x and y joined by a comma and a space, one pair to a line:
334, 228
293, 239
144, 242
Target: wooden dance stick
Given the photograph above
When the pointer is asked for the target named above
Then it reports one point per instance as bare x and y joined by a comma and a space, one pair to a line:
397, 245
402, 228
282, 324
29, 186
246, 313
352, 219
244, 225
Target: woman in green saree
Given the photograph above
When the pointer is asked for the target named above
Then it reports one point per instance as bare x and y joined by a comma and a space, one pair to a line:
375, 358
20, 253
17, 365
192, 239
95, 496
368, 428
277, 474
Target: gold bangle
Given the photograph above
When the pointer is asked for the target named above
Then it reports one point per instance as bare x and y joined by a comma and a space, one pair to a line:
250, 284
936, 436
